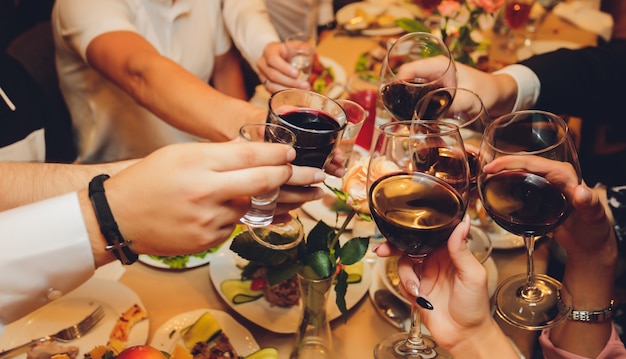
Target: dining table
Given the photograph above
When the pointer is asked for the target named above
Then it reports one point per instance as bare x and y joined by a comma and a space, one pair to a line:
166, 293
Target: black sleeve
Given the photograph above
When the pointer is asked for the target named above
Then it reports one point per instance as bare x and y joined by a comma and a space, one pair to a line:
588, 83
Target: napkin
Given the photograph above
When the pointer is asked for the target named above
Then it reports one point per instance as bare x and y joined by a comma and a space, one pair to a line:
585, 14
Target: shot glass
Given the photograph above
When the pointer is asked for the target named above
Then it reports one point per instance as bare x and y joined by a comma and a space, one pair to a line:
300, 53
261, 212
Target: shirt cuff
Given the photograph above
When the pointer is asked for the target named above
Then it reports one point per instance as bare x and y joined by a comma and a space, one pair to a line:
528, 85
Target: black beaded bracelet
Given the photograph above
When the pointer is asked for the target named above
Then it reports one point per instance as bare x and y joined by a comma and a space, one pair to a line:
108, 226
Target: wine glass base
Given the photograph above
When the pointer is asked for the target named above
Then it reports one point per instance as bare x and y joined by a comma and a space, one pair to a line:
530, 314
394, 346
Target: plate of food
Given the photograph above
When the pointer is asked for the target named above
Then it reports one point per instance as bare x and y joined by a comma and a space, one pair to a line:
226, 268
325, 73
121, 305
388, 272
171, 333
372, 19
179, 262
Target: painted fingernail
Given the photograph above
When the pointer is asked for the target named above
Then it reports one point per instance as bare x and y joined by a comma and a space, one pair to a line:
422, 302
412, 288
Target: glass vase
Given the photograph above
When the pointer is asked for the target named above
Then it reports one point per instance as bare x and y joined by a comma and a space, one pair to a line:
313, 336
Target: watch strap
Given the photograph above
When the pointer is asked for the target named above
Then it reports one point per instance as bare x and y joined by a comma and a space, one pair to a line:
108, 227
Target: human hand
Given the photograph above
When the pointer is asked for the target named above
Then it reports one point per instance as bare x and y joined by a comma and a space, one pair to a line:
186, 198
455, 283
275, 72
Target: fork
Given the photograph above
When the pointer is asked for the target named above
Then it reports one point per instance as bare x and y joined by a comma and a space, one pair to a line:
66, 335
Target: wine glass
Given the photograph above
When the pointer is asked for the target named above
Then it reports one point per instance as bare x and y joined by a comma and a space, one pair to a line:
418, 180
516, 14
525, 203
464, 108
431, 66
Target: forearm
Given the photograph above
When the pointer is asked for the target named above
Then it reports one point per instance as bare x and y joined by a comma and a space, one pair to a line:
32, 182
96, 239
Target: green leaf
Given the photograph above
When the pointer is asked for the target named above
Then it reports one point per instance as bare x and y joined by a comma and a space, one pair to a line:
276, 275
319, 237
321, 263
353, 250
341, 287
412, 25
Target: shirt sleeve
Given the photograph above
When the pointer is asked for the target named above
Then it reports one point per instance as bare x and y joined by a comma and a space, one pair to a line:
46, 251
250, 27
528, 85
614, 348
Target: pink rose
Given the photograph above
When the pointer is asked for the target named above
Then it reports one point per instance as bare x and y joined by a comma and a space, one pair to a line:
449, 8
490, 6
355, 181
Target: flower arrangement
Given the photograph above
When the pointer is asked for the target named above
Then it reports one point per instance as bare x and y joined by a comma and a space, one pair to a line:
321, 255
459, 23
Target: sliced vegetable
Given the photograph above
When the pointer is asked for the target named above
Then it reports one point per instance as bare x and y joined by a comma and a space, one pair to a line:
264, 353
240, 291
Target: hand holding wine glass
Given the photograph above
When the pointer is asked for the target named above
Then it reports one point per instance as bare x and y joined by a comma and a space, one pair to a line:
418, 180
428, 65
526, 202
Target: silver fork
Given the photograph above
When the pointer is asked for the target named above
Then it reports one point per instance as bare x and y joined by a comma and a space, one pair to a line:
68, 334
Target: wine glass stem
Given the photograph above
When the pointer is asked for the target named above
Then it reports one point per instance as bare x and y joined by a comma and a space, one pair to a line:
530, 292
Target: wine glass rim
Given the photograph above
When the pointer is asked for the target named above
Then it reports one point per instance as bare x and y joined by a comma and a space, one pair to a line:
452, 128
342, 120
482, 113
516, 114
446, 53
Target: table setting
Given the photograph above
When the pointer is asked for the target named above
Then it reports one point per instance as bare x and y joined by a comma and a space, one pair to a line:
174, 294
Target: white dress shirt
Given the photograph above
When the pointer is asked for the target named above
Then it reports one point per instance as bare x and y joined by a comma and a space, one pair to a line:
45, 253
110, 124
528, 85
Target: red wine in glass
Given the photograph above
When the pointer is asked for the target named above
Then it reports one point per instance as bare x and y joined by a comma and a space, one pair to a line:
367, 99
416, 212
401, 96
316, 135
524, 203
516, 13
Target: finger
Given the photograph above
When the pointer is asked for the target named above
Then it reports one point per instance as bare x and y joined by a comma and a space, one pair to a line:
306, 176
386, 250
299, 194
240, 155
588, 205
246, 182
460, 254
408, 276
558, 172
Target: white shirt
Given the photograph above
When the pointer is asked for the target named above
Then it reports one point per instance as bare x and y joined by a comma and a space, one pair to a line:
528, 85
110, 125
293, 16
45, 253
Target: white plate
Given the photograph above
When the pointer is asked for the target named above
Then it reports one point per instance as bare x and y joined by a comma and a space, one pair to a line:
193, 262
115, 299
377, 283
489, 264
501, 239
538, 47
168, 335
273, 318
348, 12
340, 76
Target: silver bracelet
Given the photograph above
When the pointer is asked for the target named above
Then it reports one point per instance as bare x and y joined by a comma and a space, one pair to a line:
589, 316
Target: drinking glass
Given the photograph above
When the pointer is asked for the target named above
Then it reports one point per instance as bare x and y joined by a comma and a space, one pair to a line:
516, 14
317, 121
300, 53
356, 117
432, 66
362, 88
284, 234
418, 180
526, 203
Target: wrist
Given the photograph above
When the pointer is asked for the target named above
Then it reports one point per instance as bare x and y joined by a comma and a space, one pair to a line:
486, 342
96, 239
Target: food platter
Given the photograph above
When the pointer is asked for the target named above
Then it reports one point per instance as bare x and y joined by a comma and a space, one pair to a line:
374, 11
115, 299
167, 336
276, 319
